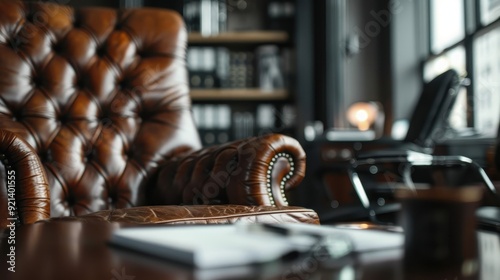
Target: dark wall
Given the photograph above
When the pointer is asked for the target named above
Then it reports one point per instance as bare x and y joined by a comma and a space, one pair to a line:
407, 54
368, 70
351, 57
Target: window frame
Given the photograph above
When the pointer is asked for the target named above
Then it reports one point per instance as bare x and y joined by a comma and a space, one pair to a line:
473, 28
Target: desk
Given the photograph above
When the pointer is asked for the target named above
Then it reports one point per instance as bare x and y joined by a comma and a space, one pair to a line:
75, 250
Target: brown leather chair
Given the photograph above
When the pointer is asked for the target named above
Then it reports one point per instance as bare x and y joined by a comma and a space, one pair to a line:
95, 122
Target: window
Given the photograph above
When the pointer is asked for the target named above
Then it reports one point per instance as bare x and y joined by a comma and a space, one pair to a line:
454, 58
490, 11
447, 23
487, 84
473, 53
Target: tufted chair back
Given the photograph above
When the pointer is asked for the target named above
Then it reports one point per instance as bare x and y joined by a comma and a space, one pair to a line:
100, 94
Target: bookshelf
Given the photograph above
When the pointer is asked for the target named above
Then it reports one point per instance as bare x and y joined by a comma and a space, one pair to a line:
241, 71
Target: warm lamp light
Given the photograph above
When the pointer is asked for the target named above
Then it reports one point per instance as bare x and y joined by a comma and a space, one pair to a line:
363, 114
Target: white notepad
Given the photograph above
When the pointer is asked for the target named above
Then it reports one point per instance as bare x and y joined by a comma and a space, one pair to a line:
215, 246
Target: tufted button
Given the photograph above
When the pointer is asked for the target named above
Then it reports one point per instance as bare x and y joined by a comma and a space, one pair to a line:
71, 201
36, 81
143, 115
30, 16
37, 18
122, 84
57, 47
63, 119
17, 116
45, 156
118, 25
77, 20
101, 50
14, 44
140, 53
80, 83
106, 122
129, 154
89, 155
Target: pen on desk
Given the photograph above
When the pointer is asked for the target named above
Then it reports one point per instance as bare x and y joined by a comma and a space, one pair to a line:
282, 230
334, 245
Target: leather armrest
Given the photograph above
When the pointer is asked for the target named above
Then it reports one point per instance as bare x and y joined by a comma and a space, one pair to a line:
253, 171
24, 185
197, 214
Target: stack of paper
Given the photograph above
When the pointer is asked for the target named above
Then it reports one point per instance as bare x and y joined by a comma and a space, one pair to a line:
242, 244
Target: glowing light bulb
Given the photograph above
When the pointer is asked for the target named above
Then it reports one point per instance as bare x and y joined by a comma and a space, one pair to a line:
362, 114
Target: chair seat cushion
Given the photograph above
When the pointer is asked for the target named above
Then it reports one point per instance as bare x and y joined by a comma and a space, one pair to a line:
200, 214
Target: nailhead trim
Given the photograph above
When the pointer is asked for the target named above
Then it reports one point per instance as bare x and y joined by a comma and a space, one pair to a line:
283, 181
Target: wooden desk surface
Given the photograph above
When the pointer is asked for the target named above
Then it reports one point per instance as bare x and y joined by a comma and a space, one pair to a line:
74, 250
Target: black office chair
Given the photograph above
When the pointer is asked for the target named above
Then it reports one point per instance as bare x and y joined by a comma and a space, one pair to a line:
429, 117
412, 157
428, 122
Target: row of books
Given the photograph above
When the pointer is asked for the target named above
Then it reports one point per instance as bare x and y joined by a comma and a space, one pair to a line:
210, 17
220, 123
268, 67
205, 16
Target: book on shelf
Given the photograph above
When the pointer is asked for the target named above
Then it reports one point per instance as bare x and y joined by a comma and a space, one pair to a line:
268, 68
223, 68
201, 63
220, 123
208, 17
288, 66
245, 15
280, 14
241, 69
243, 125
213, 123
219, 67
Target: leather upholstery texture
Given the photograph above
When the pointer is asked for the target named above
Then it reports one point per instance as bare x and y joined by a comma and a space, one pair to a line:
97, 100
34, 198
100, 94
199, 214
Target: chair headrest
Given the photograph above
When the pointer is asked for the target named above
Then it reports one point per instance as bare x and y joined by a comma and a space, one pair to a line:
433, 108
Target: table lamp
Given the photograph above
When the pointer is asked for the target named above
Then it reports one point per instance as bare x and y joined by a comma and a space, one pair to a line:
364, 115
